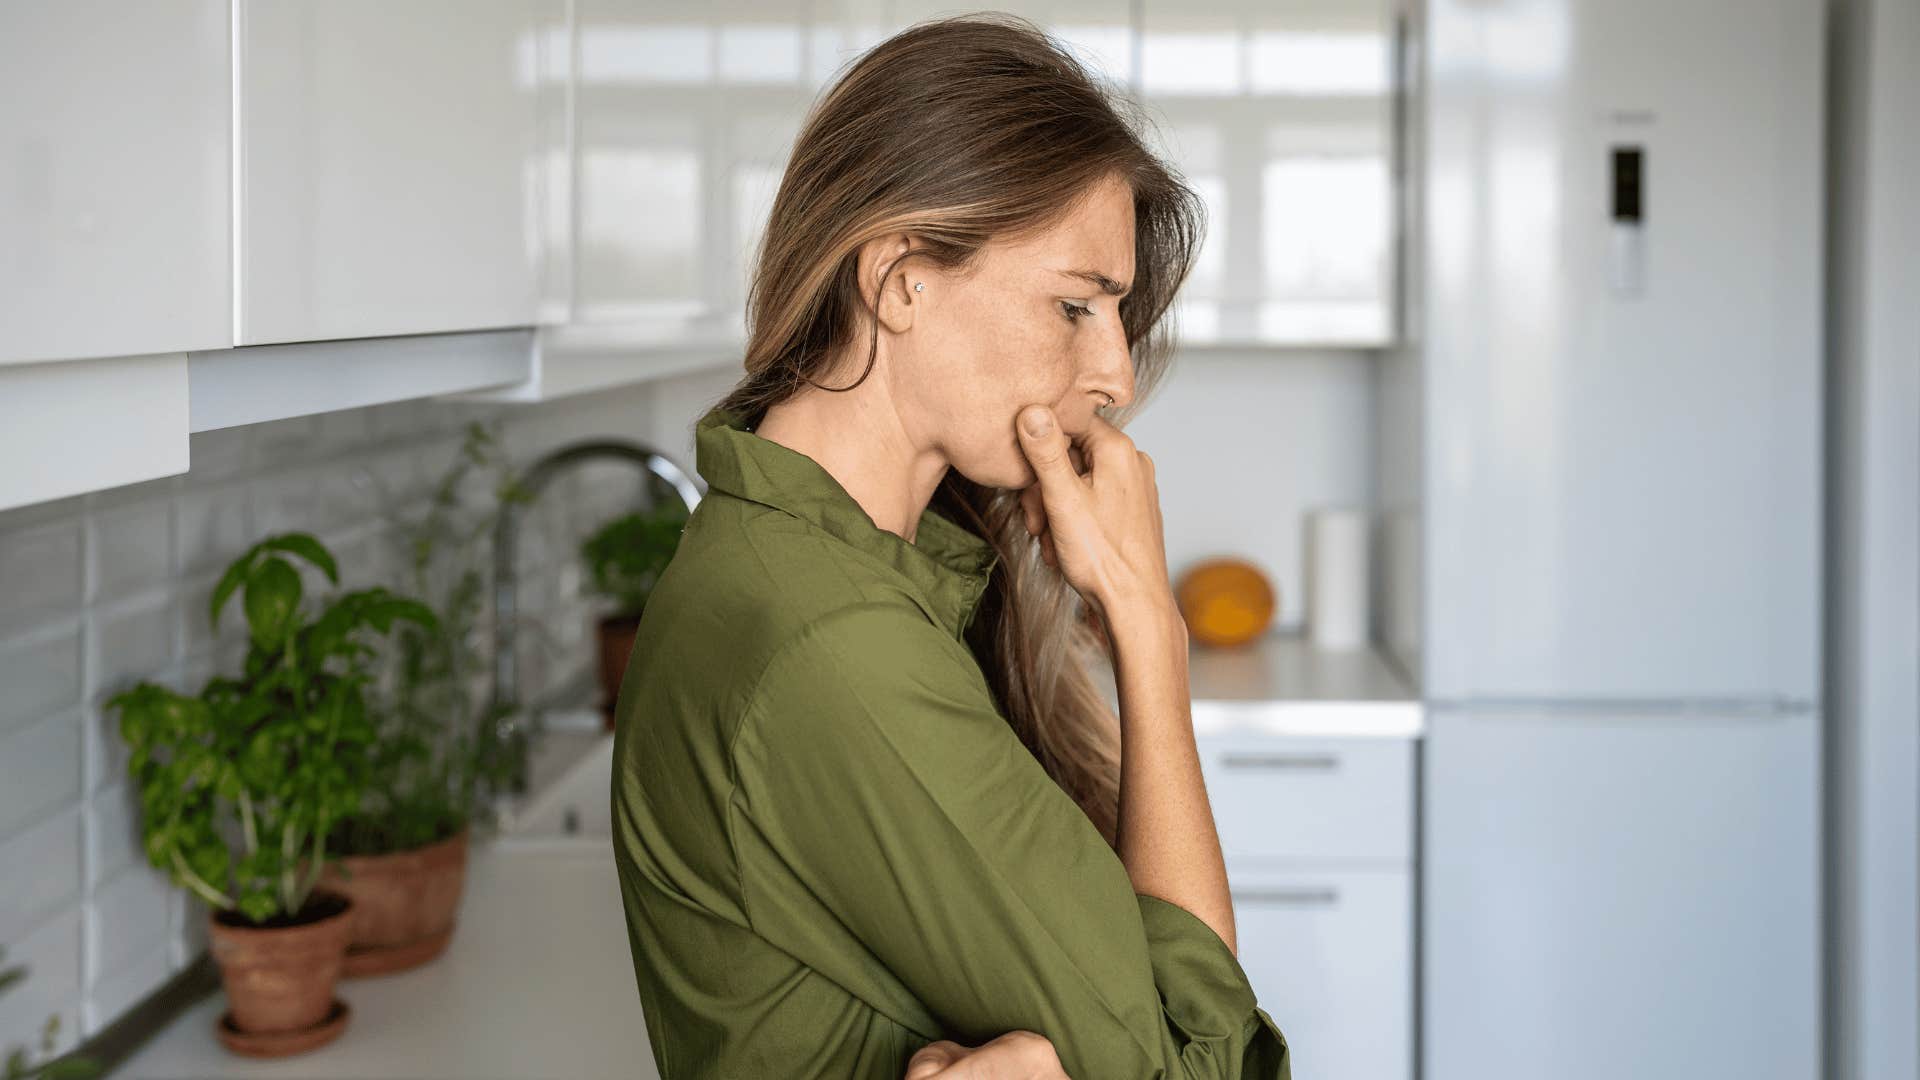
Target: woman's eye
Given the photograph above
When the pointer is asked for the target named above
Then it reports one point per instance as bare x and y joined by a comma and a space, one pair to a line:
1073, 310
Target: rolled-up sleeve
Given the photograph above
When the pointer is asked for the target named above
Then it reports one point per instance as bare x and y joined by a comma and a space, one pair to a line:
881, 803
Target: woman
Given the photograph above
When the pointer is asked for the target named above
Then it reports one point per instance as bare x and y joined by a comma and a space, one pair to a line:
871, 817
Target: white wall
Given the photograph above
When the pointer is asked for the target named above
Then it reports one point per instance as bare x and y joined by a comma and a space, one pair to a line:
1244, 445
1873, 618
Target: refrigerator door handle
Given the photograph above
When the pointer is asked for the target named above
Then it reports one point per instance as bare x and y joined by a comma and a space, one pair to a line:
1323, 896
1291, 762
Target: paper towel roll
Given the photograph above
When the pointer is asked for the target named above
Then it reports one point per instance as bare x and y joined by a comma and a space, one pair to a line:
1337, 601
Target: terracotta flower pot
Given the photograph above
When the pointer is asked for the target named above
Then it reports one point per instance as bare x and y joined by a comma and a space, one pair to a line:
616, 633
280, 978
404, 903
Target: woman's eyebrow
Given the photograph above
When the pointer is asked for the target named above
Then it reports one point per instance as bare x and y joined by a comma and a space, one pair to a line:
1107, 284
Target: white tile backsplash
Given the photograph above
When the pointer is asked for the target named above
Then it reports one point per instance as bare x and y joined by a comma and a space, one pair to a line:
210, 528
131, 641
42, 872
100, 591
132, 548
39, 770
39, 573
40, 671
122, 988
51, 954
127, 918
113, 830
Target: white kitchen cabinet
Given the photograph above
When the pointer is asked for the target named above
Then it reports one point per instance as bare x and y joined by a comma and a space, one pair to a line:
686, 112
396, 166
1318, 832
92, 423
1281, 118
1327, 948
114, 235
681, 119
1100, 33
1310, 798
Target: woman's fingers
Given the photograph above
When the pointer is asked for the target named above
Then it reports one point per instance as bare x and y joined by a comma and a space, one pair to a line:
1016, 1055
1048, 455
1099, 528
1033, 509
933, 1059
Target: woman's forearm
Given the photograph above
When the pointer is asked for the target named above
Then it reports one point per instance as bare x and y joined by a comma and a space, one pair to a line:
1166, 833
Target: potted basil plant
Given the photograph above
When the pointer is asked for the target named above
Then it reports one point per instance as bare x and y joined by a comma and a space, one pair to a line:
625, 558
240, 784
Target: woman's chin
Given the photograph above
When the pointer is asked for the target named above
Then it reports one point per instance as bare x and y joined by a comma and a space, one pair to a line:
1016, 475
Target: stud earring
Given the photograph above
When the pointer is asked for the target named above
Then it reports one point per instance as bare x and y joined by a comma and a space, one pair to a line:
919, 286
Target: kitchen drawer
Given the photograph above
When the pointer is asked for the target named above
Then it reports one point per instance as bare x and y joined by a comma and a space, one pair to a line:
1280, 797
1330, 955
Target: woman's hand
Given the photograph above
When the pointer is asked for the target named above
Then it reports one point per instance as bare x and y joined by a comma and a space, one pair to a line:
1017, 1055
1101, 529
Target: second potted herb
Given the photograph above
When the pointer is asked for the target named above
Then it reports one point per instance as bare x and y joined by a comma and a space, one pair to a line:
402, 854
624, 559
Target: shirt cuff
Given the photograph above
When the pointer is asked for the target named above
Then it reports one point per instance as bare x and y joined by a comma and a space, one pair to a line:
1203, 989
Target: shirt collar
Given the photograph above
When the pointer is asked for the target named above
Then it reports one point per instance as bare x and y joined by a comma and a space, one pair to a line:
949, 565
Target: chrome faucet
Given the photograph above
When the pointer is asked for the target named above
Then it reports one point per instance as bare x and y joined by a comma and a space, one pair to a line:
510, 729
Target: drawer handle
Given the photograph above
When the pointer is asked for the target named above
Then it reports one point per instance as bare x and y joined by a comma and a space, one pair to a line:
1326, 896
1299, 762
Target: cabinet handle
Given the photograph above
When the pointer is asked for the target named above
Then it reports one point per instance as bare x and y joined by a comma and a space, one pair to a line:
1325, 896
1297, 762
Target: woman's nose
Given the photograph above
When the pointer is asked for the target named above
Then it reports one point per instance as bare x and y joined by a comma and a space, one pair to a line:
1112, 376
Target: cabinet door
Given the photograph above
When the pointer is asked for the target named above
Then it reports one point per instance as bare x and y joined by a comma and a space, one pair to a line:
1330, 955
1308, 798
113, 178
394, 165
687, 111
1099, 33
1280, 116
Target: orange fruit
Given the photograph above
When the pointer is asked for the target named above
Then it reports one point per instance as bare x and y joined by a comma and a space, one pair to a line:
1225, 601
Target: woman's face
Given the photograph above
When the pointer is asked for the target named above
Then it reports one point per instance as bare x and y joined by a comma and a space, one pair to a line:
1024, 327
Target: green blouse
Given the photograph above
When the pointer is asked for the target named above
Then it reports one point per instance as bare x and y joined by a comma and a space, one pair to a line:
833, 849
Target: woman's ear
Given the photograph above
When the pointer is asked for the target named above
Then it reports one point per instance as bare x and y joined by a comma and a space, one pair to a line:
892, 296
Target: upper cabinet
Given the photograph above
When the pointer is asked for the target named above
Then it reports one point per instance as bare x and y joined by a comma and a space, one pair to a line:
181, 177
114, 226
1101, 34
686, 111
1281, 116
401, 167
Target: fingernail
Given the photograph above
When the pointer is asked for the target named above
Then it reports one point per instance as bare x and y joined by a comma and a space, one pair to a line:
1037, 421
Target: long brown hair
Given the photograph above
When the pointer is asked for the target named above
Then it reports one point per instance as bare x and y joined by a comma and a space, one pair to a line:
958, 131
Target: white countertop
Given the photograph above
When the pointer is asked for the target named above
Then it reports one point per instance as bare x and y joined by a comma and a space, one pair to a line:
537, 982
1282, 684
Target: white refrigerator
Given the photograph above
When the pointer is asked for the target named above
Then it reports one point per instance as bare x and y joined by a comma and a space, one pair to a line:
1618, 301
